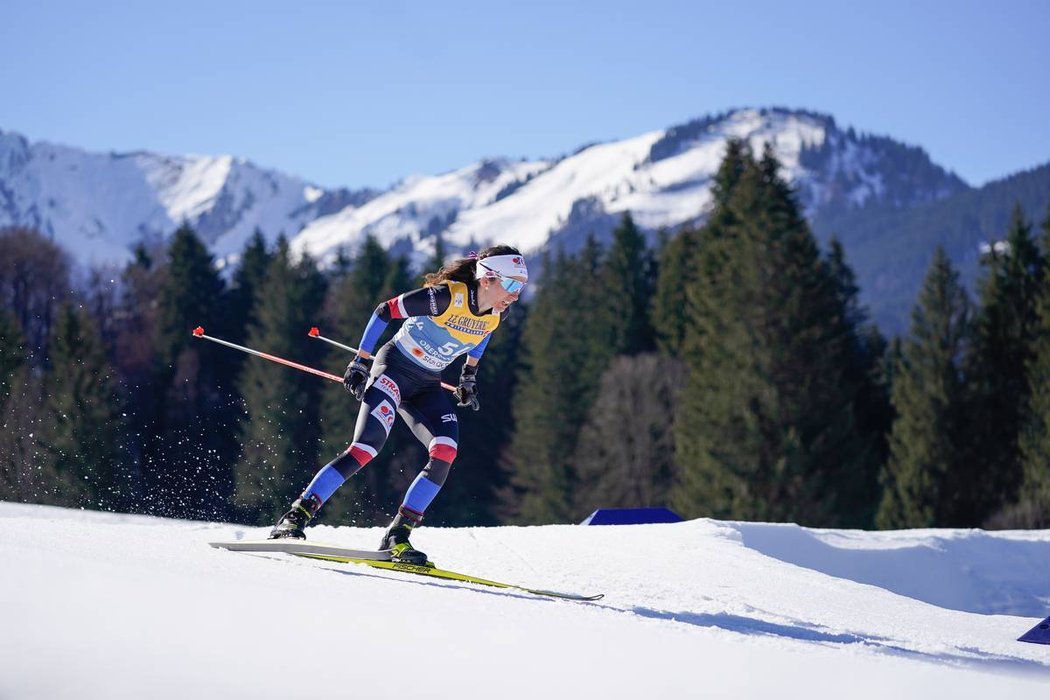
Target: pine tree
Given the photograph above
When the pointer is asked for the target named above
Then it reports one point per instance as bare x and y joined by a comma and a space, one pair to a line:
239, 303
82, 442
731, 170
1033, 508
669, 299
135, 360
863, 355
924, 478
190, 457
18, 409
1004, 339
12, 353
565, 352
27, 473
768, 429
280, 431
538, 474
190, 295
627, 273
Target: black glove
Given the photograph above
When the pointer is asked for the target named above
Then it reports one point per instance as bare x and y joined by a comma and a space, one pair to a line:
467, 391
356, 377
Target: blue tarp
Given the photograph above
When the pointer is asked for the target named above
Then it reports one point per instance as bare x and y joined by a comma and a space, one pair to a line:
632, 516
1040, 634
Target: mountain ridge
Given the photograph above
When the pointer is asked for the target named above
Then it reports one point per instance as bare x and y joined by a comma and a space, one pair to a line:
100, 206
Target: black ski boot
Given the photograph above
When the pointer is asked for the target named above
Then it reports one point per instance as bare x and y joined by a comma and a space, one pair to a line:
396, 540
292, 523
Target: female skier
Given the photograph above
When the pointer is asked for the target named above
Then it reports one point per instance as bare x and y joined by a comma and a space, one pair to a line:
455, 313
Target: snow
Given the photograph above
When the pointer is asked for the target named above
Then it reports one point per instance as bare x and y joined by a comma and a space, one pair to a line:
406, 212
99, 206
618, 175
186, 188
544, 203
116, 606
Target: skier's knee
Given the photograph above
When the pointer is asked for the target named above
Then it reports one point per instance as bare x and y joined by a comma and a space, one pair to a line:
444, 449
442, 455
361, 453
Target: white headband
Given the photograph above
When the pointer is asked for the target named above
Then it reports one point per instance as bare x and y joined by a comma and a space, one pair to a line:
502, 265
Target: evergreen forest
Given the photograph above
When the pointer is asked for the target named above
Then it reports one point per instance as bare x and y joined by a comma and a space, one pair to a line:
726, 370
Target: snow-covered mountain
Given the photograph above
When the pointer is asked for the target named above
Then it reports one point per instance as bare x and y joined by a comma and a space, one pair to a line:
100, 605
662, 177
99, 206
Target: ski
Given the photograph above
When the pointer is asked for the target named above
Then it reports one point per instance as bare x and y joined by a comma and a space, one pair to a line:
381, 560
292, 546
435, 572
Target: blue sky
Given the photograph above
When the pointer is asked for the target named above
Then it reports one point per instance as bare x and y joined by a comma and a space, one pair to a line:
362, 94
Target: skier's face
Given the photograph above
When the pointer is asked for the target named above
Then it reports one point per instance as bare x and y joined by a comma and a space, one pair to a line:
499, 297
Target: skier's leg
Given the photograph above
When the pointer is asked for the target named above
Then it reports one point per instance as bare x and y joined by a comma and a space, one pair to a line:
374, 421
433, 421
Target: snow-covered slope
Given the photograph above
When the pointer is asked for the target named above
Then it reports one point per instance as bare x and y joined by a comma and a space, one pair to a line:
100, 206
663, 178
407, 217
109, 606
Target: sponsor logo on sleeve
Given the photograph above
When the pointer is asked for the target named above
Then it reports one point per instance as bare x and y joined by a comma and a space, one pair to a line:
449, 418
433, 301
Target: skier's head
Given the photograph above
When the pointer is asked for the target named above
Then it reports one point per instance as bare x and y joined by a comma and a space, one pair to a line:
499, 272
507, 268
500, 263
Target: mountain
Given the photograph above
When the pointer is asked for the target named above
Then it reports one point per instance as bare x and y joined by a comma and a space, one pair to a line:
662, 177
125, 606
891, 248
99, 206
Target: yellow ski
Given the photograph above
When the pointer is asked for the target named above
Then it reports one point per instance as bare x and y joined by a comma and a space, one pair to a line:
380, 560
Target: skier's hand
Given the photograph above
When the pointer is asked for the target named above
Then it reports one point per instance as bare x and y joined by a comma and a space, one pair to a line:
467, 391
356, 377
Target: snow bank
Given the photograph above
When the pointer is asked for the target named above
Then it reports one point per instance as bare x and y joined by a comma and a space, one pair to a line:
108, 606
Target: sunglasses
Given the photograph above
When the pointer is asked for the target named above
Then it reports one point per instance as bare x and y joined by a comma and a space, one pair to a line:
509, 284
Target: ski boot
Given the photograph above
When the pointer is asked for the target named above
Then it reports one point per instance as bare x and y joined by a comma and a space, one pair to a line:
396, 540
292, 523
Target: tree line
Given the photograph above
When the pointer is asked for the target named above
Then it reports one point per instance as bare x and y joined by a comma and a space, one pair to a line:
727, 370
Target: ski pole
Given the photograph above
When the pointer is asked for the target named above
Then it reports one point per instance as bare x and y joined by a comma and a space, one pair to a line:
198, 332
315, 332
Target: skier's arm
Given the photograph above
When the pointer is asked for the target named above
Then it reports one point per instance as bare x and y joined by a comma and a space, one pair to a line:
474, 355
427, 301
